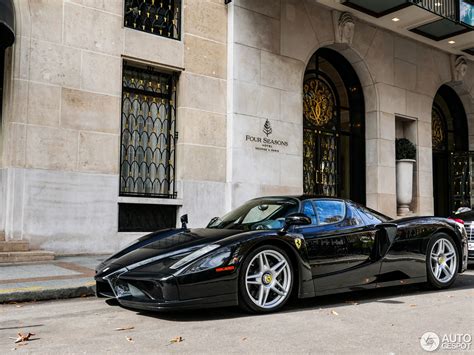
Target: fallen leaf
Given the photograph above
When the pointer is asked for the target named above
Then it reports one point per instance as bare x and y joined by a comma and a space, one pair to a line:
334, 313
130, 340
450, 296
176, 340
22, 337
244, 338
124, 328
353, 302
413, 305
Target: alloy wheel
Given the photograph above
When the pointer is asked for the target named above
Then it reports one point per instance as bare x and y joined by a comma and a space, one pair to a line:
443, 260
268, 279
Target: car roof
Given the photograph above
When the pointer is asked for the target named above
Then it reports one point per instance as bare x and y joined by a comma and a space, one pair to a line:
305, 197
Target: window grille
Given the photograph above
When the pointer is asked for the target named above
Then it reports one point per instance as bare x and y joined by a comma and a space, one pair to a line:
148, 133
160, 17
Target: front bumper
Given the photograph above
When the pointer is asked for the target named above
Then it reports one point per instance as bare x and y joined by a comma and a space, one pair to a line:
162, 293
207, 302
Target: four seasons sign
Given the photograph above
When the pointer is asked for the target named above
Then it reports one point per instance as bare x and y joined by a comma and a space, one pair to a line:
266, 143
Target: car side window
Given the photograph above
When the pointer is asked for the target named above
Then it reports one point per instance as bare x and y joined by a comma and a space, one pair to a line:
330, 211
308, 210
353, 217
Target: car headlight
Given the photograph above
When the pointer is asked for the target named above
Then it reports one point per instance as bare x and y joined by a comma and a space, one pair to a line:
194, 255
209, 262
206, 262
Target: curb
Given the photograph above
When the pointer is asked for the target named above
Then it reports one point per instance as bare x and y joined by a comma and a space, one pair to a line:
48, 294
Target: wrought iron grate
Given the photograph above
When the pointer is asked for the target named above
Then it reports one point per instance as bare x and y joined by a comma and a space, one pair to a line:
160, 17
148, 133
445, 8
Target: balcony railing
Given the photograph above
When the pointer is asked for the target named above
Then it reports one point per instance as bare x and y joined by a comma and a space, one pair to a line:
444, 8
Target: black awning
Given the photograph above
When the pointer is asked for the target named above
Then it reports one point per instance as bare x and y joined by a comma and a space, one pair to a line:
441, 29
7, 23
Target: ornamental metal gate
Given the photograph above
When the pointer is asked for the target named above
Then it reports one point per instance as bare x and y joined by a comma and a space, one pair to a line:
452, 181
320, 139
452, 161
461, 167
333, 128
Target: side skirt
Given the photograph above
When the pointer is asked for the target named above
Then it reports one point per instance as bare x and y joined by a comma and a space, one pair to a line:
370, 287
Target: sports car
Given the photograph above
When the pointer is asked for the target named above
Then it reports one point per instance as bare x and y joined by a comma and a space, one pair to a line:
271, 248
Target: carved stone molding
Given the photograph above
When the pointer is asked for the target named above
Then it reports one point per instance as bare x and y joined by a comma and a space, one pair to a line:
344, 27
459, 68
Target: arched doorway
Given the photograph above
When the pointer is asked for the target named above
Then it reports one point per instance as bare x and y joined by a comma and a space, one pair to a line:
333, 128
450, 144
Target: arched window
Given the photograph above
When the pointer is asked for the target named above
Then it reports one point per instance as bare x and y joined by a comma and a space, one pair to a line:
450, 144
333, 128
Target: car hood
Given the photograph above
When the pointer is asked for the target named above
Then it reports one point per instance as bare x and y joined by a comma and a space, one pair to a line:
165, 243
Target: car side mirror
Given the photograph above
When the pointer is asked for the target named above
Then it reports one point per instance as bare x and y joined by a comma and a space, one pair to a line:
295, 219
213, 219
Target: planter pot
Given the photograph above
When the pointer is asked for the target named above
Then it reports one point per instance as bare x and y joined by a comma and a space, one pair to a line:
404, 185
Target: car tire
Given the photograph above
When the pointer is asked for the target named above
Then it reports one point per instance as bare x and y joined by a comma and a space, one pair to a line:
442, 261
265, 288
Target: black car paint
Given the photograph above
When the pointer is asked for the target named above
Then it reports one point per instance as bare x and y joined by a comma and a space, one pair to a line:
331, 258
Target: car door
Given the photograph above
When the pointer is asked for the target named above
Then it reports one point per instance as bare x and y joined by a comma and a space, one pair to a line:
340, 246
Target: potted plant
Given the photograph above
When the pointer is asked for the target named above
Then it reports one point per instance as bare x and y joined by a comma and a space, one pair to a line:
405, 156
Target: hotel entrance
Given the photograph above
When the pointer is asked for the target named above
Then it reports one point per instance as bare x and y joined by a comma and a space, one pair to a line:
452, 162
333, 129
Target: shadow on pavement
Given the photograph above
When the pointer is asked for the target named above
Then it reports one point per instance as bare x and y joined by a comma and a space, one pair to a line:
381, 295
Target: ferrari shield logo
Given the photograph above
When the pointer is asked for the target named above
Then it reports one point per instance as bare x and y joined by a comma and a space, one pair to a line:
298, 242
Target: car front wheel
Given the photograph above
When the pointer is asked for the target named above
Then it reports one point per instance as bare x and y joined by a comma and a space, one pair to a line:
441, 261
266, 280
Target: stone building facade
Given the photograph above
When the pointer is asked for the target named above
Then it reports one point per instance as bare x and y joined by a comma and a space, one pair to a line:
236, 96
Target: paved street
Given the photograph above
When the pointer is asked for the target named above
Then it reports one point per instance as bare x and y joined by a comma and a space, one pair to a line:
381, 321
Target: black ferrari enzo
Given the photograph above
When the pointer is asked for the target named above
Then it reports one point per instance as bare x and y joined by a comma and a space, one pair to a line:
259, 254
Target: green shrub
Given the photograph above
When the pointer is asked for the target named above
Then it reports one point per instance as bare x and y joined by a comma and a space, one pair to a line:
405, 149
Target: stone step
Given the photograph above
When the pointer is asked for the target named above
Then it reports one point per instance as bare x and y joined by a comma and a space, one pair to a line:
25, 256
14, 245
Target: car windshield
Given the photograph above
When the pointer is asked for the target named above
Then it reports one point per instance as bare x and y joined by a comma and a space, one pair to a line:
265, 213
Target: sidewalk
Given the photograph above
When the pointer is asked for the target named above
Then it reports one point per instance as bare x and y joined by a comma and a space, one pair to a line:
64, 277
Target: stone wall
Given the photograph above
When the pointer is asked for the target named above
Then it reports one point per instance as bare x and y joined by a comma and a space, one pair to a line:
60, 160
273, 43
267, 85
202, 103
240, 64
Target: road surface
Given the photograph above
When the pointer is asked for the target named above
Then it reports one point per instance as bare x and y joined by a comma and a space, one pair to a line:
380, 321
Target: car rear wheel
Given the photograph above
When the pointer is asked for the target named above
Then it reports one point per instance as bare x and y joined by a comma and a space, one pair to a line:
266, 280
441, 261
